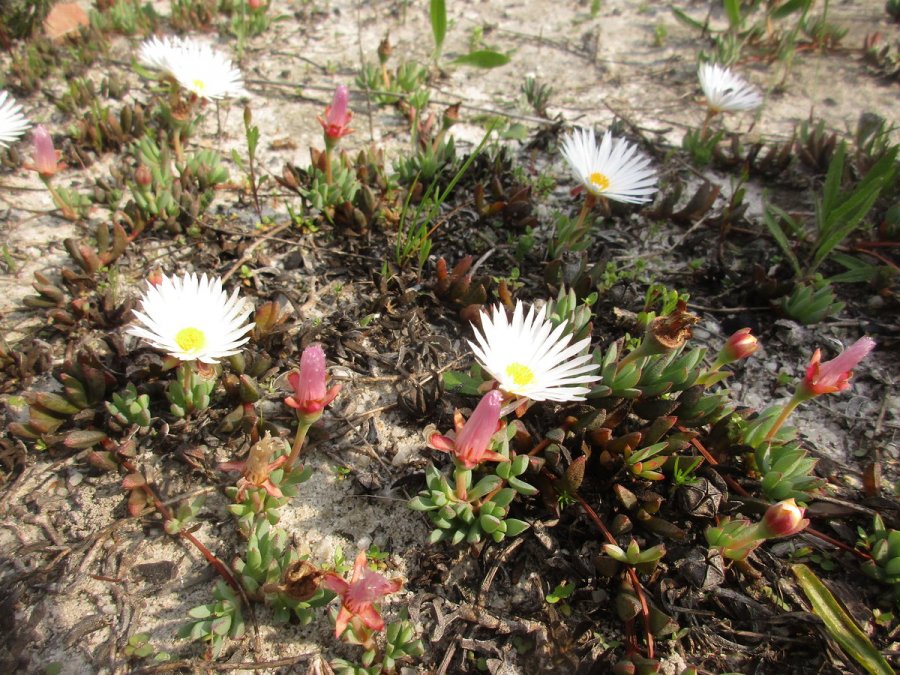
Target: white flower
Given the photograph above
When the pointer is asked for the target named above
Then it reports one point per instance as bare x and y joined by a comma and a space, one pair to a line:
12, 122
529, 358
195, 66
725, 91
615, 169
193, 319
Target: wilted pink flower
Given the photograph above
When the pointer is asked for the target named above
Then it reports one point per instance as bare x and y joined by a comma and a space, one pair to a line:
256, 469
310, 395
364, 588
473, 437
783, 519
337, 116
46, 159
834, 375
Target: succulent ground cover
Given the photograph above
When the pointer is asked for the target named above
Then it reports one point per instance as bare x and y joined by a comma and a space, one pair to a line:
420, 337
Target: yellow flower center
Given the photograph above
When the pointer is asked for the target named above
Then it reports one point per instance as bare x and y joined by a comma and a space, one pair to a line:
600, 181
190, 339
520, 374
199, 85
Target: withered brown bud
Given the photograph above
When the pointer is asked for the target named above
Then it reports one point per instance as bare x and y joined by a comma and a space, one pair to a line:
385, 49
300, 580
451, 116
672, 331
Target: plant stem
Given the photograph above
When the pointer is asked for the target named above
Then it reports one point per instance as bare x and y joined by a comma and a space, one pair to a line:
632, 573
461, 492
302, 429
589, 202
329, 178
785, 413
704, 130
166, 514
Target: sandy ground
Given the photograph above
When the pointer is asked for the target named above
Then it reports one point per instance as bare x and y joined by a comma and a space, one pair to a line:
122, 577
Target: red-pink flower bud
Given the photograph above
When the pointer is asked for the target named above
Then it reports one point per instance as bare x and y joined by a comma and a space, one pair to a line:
834, 375
473, 440
255, 4
310, 394
337, 116
783, 519
46, 161
740, 345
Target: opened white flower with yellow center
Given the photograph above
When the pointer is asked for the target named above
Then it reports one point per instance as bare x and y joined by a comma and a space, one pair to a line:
725, 91
12, 122
531, 359
615, 169
192, 318
195, 65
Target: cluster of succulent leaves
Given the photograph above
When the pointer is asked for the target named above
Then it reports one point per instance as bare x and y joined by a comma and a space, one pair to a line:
262, 569
257, 504
170, 199
190, 391
216, 622
484, 510
883, 544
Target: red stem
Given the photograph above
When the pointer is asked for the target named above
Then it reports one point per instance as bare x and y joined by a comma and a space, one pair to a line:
736, 487
166, 513
632, 573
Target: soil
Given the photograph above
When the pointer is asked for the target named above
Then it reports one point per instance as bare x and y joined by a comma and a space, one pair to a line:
81, 575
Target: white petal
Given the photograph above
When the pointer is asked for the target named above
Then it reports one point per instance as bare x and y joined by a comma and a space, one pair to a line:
533, 342
188, 302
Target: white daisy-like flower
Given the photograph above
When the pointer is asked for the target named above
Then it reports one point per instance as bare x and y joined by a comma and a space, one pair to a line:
193, 319
195, 65
615, 169
725, 91
12, 122
530, 358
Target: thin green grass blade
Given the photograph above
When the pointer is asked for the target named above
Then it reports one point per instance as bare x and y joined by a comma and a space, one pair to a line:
438, 13
839, 624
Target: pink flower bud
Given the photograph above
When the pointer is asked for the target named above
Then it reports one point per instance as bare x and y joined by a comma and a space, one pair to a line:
255, 4
473, 440
834, 375
46, 161
741, 345
310, 394
783, 519
337, 115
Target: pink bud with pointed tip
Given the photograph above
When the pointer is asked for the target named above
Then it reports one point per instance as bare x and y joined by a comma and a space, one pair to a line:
337, 116
46, 162
310, 393
472, 441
